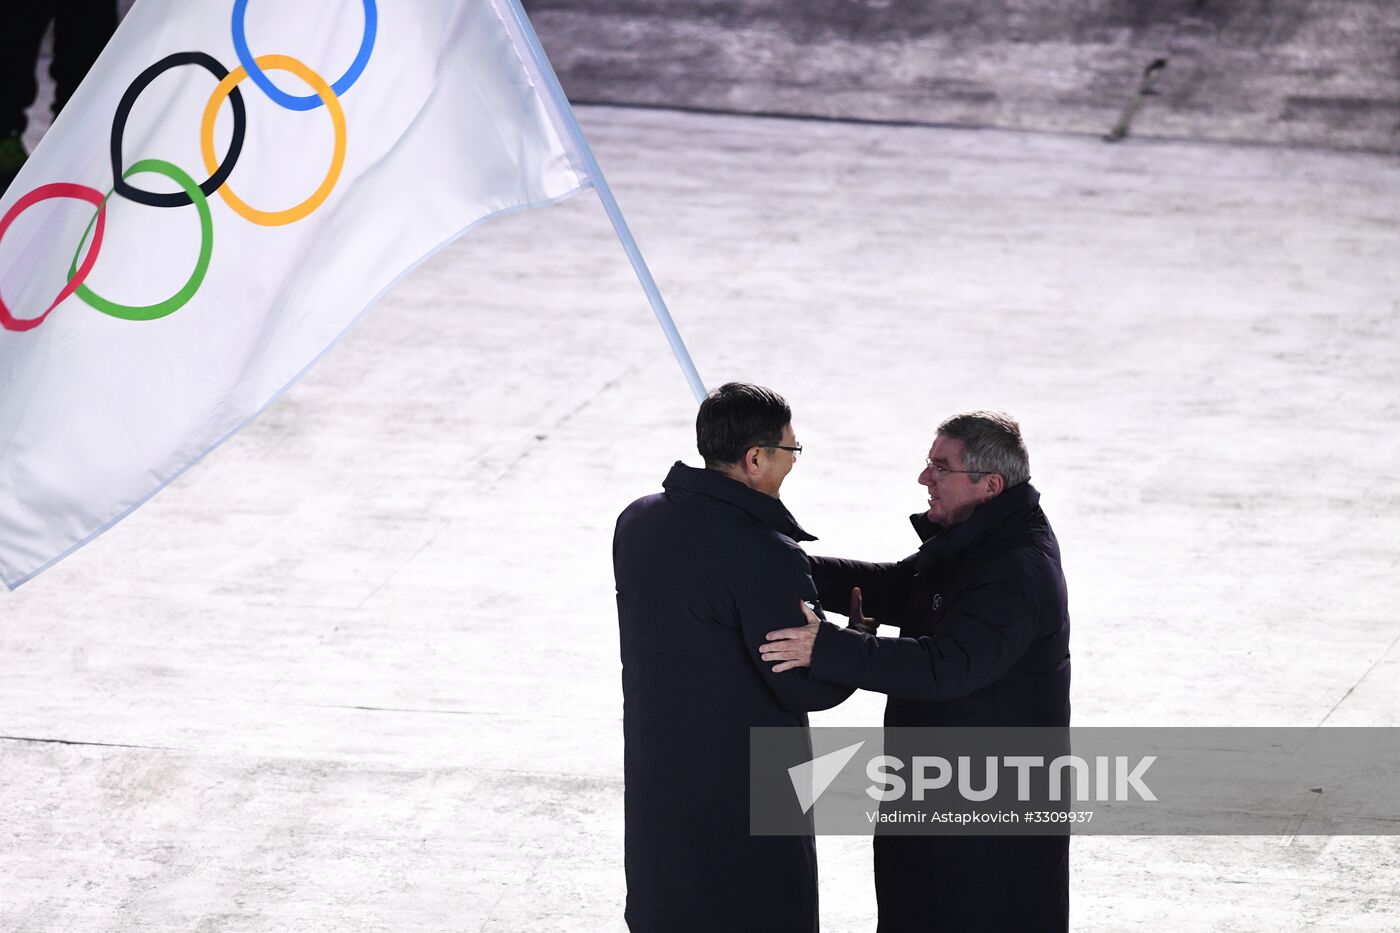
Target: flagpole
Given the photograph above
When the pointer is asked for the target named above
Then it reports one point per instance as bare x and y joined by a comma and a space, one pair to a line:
565, 113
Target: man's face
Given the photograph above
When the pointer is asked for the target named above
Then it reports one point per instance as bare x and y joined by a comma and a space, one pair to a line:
952, 496
775, 464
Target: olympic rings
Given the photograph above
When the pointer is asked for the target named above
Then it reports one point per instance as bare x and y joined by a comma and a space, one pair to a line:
143, 80
311, 101
219, 171
325, 92
206, 249
76, 276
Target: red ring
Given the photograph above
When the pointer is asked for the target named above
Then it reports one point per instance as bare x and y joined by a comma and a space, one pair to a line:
44, 193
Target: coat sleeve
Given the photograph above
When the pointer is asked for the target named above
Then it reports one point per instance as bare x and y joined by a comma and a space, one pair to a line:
770, 601
983, 635
884, 588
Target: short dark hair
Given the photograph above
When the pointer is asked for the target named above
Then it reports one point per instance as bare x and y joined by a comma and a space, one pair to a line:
737, 416
992, 444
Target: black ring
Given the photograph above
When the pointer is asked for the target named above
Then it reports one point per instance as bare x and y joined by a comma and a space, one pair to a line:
235, 146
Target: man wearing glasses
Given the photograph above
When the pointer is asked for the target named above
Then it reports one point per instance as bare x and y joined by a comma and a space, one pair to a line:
703, 569
984, 626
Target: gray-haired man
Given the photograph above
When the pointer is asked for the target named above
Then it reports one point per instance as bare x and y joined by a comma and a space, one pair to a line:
984, 642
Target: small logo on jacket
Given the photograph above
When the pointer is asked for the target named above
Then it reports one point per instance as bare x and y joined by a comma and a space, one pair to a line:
937, 601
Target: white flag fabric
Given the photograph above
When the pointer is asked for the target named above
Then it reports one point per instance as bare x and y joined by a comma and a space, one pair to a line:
234, 183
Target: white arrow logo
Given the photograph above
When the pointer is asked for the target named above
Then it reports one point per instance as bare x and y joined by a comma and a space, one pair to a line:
811, 778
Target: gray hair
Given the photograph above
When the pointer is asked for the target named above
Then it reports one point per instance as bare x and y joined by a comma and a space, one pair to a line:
993, 445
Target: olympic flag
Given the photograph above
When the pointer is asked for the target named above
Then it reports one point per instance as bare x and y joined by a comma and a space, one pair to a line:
232, 186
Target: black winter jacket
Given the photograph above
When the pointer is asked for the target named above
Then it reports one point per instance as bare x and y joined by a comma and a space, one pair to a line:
984, 625
704, 570
984, 619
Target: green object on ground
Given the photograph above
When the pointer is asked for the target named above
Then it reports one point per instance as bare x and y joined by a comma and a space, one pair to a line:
12, 159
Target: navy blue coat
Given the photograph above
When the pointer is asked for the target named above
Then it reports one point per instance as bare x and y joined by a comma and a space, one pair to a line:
704, 571
984, 625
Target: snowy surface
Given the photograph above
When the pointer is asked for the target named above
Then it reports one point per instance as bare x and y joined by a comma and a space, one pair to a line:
358, 670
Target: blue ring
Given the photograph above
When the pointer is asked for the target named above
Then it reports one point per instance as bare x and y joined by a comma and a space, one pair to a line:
311, 101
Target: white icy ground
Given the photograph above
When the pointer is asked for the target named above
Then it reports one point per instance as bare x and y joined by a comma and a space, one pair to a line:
358, 670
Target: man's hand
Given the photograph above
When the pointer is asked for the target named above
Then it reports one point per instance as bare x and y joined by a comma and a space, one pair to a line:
792, 646
858, 620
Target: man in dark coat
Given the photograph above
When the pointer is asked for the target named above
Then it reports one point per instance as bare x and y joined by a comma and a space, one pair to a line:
984, 625
704, 569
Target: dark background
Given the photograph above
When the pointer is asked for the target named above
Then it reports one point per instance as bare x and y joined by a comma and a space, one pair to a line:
1294, 72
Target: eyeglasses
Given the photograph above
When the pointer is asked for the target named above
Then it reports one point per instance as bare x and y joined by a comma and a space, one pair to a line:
796, 451
944, 471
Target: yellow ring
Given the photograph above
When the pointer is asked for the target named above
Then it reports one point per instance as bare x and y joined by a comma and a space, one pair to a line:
211, 158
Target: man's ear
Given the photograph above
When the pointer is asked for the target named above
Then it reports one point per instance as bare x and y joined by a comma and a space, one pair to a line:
994, 484
751, 460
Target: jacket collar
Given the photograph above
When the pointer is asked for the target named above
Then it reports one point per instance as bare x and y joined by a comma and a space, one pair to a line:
713, 485
1012, 505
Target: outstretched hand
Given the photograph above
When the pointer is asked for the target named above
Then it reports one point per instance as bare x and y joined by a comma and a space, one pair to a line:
792, 647
859, 622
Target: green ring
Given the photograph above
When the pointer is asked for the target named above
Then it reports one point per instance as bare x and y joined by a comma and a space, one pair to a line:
206, 250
